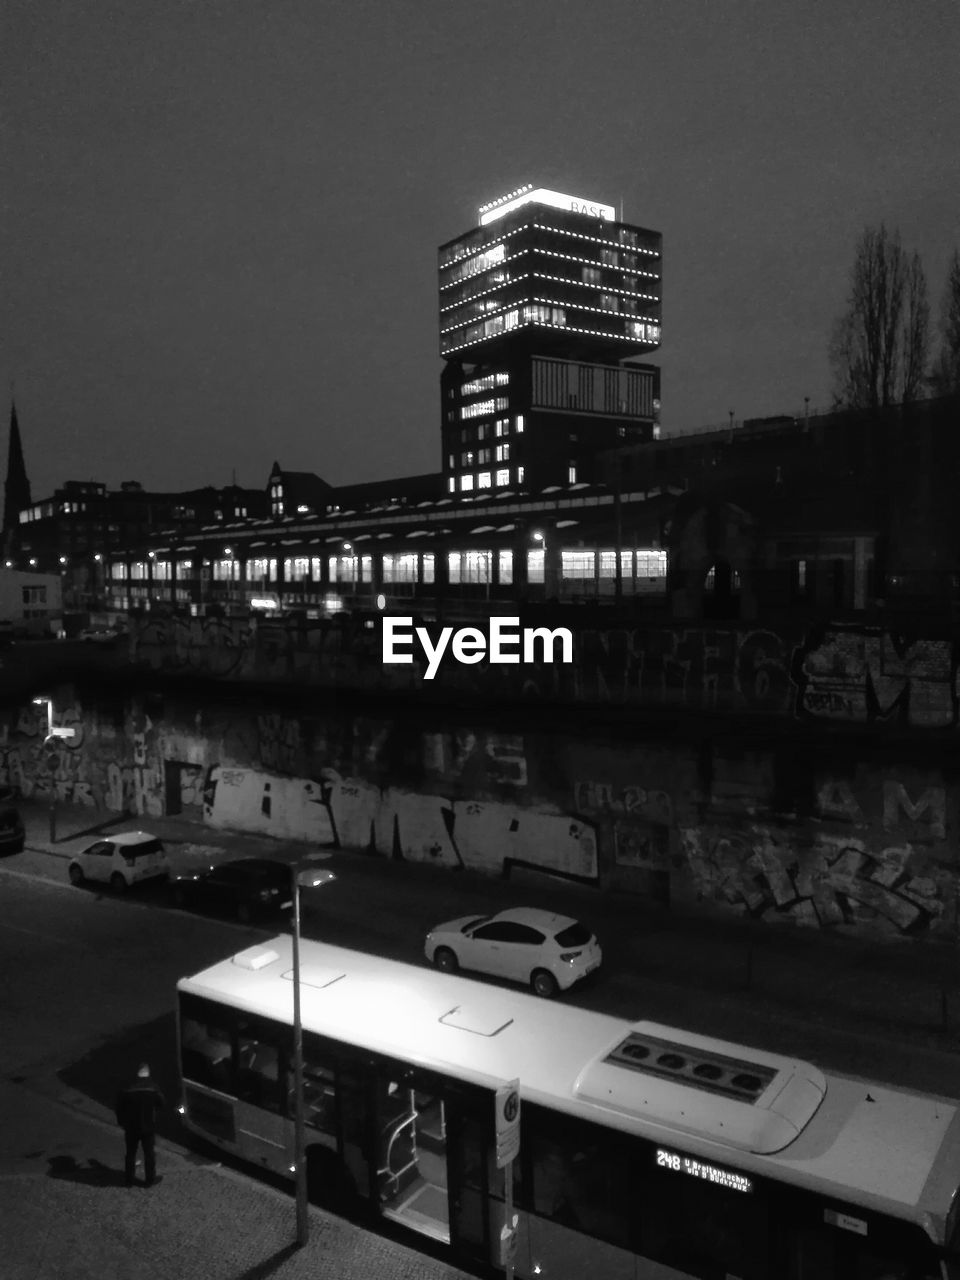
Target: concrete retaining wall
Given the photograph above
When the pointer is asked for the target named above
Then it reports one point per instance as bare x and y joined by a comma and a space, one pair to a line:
788, 832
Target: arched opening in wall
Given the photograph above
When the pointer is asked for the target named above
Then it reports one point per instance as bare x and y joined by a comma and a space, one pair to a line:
183, 788
721, 591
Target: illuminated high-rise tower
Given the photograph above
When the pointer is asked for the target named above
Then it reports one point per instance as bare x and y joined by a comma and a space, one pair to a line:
541, 307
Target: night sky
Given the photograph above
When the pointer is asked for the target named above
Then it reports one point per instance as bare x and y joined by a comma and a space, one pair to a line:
220, 218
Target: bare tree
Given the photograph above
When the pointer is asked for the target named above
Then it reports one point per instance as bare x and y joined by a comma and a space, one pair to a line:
879, 346
946, 373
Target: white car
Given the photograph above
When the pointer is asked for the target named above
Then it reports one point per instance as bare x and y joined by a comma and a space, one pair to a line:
98, 635
121, 860
548, 951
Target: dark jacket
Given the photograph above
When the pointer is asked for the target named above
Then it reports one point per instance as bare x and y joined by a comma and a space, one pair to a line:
139, 1106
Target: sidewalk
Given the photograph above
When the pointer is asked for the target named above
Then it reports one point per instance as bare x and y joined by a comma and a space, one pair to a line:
66, 1215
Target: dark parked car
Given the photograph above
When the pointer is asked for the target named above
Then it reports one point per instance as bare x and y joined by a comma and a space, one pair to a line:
11, 824
244, 887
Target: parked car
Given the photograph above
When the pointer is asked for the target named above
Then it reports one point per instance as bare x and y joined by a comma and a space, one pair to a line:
98, 635
121, 861
244, 887
12, 834
549, 952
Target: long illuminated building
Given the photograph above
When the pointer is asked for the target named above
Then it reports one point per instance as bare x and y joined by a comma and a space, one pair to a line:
539, 306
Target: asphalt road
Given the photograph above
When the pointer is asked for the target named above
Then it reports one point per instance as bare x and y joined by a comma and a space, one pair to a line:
89, 978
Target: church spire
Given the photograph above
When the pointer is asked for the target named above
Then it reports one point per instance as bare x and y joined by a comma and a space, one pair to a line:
16, 490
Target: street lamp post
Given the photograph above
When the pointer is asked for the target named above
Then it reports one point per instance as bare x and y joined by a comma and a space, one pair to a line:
307, 878
49, 743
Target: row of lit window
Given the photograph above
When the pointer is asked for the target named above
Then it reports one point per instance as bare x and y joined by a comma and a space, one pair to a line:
541, 311
612, 299
633, 239
479, 457
484, 479
628, 267
479, 242
159, 570
636, 330
487, 383
476, 256
483, 261
484, 408
498, 282
462, 567
484, 430
629, 294
36, 513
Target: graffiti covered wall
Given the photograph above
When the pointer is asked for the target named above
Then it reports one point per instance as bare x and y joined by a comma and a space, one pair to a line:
839, 674
785, 831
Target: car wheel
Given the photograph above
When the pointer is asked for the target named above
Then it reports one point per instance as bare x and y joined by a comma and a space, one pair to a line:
444, 959
244, 913
76, 874
117, 883
543, 984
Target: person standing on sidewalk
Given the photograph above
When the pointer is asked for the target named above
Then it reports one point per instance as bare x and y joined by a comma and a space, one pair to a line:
138, 1108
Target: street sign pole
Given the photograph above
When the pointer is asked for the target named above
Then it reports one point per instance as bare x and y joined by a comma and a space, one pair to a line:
507, 1128
511, 1243
52, 762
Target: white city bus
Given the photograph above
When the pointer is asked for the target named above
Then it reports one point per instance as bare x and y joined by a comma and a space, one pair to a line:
646, 1152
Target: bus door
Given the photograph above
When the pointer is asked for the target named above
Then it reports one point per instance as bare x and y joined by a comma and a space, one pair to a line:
411, 1150
337, 1114
259, 1089
470, 1169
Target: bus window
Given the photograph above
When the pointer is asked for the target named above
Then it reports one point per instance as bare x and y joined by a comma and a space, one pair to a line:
695, 1224
205, 1040
582, 1178
811, 1254
352, 1091
319, 1097
814, 1253
469, 1145
258, 1069
873, 1266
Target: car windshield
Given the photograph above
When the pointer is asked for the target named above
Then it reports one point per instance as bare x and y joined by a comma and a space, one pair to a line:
474, 921
142, 850
574, 935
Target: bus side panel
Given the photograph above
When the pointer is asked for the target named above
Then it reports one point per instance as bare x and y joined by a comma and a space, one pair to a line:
564, 1254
